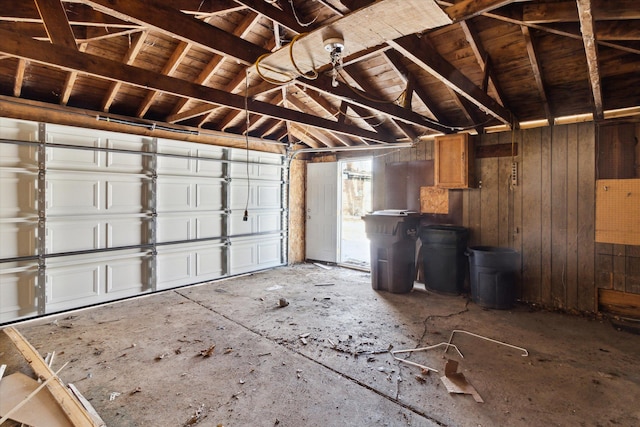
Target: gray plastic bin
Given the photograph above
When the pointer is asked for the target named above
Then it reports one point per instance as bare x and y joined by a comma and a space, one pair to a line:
392, 236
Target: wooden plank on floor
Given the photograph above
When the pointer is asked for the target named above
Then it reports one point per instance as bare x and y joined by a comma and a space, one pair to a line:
69, 404
617, 302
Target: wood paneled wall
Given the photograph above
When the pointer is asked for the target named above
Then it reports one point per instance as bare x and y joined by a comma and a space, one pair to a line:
618, 266
548, 217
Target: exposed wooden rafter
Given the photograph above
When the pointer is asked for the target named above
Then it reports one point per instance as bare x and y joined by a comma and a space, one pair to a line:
174, 60
537, 73
565, 11
173, 23
483, 59
56, 23
137, 41
70, 80
430, 60
212, 66
61, 57
17, 84
591, 51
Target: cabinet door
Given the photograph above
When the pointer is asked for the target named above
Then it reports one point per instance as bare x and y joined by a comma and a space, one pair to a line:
453, 160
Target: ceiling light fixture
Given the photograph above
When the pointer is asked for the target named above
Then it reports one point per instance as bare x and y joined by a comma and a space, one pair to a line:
335, 46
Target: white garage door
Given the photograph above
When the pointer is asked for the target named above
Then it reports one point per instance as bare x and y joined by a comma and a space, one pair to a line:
90, 216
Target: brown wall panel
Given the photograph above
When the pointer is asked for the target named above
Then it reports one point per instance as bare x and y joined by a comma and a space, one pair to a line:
548, 217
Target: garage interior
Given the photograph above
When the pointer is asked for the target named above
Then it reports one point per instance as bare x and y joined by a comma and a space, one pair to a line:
182, 193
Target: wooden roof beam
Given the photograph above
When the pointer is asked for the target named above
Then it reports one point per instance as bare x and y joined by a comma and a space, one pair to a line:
17, 83
467, 9
72, 60
602, 10
169, 21
70, 80
591, 51
137, 41
56, 23
77, 14
216, 61
174, 60
426, 56
481, 56
268, 10
518, 21
395, 60
537, 73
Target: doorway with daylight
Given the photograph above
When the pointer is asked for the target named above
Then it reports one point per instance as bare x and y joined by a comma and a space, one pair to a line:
355, 201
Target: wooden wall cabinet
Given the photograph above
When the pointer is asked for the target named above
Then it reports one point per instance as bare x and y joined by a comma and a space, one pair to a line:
454, 161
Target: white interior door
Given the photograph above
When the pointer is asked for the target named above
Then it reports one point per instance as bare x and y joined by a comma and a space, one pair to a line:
322, 212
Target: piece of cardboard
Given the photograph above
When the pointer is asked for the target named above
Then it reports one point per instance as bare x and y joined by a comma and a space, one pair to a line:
455, 382
41, 410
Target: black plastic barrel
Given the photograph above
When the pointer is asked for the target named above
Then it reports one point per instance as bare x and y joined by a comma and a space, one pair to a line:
443, 258
492, 275
392, 239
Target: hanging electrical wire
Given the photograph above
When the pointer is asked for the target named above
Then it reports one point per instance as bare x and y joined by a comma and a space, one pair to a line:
295, 15
245, 216
310, 75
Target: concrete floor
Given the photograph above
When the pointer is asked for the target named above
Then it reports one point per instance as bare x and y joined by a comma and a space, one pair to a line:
579, 372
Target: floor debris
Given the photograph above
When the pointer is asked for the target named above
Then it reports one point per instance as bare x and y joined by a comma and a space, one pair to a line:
282, 302
455, 382
113, 395
208, 351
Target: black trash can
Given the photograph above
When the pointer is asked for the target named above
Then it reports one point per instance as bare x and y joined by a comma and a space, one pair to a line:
443, 257
492, 274
393, 249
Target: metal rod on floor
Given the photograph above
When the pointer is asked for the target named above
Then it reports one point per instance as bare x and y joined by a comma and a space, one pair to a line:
409, 362
448, 343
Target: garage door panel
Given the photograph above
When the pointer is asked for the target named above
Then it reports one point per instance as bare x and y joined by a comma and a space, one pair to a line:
59, 134
125, 163
176, 228
243, 257
66, 159
74, 235
68, 286
126, 277
17, 292
18, 156
125, 195
269, 252
17, 238
126, 232
174, 269
208, 226
209, 196
209, 263
20, 130
249, 255
174, 195
17, 194
174, 165
268, 196
68, 194
268, 222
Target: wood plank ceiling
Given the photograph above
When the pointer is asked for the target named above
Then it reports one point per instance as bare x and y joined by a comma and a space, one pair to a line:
409, 67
